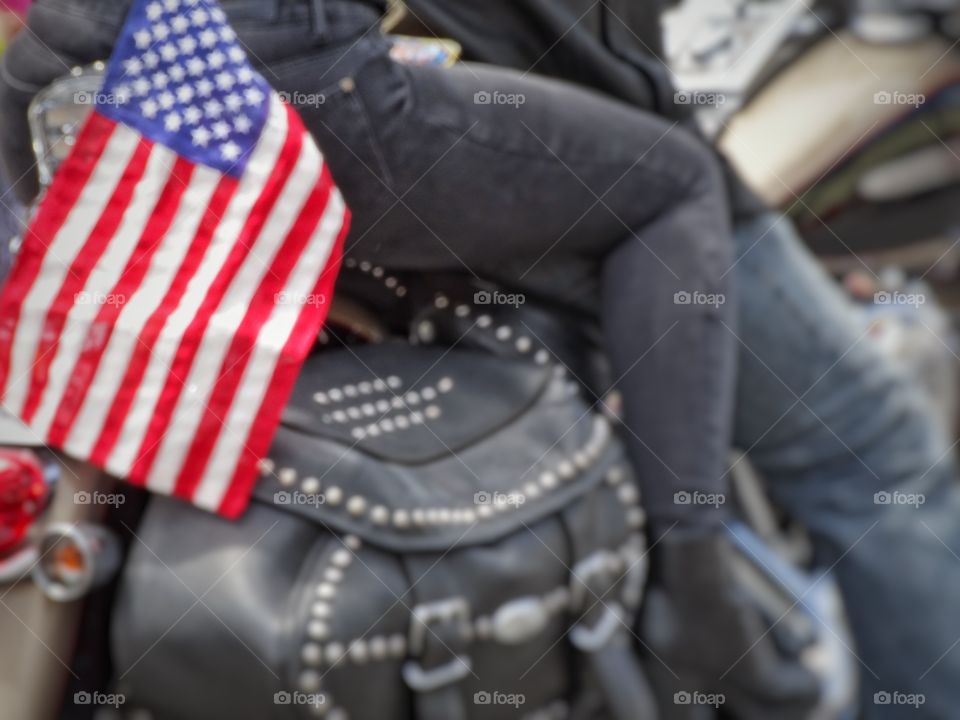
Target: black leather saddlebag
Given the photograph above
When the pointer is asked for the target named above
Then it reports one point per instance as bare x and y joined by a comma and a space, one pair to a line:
438, 535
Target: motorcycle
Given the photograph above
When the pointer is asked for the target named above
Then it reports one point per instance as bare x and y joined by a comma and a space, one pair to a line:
446, 515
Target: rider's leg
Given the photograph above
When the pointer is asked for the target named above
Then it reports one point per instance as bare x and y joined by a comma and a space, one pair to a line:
831, 422
560, 177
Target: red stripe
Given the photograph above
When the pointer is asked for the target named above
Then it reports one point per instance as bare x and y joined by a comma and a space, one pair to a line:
245, 341
195, 332
143, 350
68, 184
76, 279
301, 340
101, 330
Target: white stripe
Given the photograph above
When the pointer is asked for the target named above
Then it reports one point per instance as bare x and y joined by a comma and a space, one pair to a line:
163, 268
251, 185
59, 259
204, 375
259, 372
101, 281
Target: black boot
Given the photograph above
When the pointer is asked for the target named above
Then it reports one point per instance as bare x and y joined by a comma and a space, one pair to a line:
708, 645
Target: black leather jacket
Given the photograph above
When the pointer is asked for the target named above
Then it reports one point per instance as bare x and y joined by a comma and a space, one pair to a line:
614, 46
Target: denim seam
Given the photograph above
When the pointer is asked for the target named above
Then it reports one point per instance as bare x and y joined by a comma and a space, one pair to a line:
372, 138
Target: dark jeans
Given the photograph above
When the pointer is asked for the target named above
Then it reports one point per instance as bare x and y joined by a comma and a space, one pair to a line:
536, 184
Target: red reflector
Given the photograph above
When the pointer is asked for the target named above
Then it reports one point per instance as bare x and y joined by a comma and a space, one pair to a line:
23, 495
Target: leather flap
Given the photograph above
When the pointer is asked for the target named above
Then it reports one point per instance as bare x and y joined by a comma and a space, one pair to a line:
475, 446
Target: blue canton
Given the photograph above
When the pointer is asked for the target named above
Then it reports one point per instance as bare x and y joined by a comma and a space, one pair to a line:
179, 77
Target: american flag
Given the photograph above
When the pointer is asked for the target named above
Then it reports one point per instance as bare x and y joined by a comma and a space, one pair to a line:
176, 272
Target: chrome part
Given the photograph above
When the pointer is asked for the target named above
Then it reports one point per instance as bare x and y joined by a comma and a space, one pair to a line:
96, 557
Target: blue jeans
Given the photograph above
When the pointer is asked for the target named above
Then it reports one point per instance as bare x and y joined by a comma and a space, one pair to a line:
830, 422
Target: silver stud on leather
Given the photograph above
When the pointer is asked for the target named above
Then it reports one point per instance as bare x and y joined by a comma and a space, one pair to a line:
379, 515
333, 496
311, 653
287, 476
356, 506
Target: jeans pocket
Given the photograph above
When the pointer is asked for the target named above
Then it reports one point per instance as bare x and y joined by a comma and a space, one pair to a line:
346, 127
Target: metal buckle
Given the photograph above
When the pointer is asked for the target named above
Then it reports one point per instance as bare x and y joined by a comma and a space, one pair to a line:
455, 610
597, 565
591, 639
452, 610
423, 681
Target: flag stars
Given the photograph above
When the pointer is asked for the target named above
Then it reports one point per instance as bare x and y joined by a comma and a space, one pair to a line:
188, 45
143, 39
233, 102
185, 94
180, 24
177, 73
193, 82
221, 130
204, 88
213, 108
133, 66
201, 137
149, 108
216, 59
226, 81
230, 151
172, 122
169, 52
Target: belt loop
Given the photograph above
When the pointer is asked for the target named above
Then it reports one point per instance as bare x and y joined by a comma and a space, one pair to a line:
320, 22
